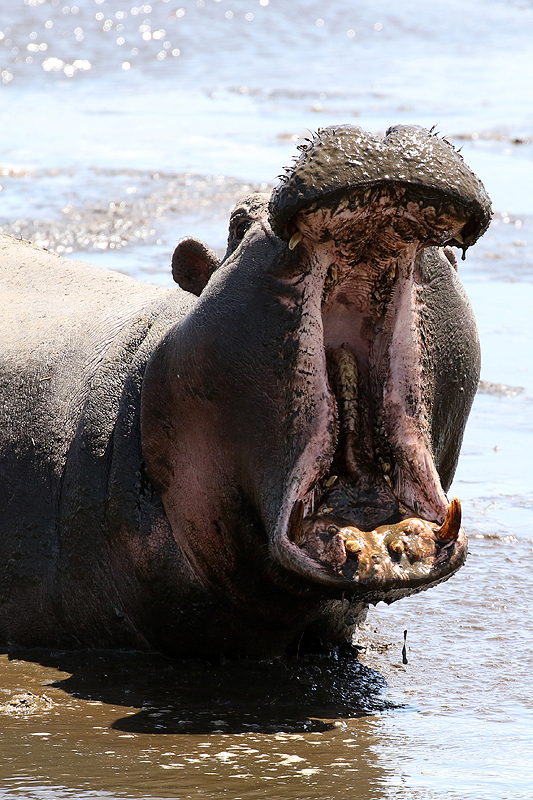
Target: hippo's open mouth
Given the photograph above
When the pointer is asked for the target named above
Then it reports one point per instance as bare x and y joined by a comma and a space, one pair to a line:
374, 514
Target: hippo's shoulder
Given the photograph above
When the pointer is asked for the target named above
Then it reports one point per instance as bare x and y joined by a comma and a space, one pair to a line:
48, 297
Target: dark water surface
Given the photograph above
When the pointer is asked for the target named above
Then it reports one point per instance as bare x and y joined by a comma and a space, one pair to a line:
111, 151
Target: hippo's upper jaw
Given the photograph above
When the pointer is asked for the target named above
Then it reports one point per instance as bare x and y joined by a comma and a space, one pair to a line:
370, 512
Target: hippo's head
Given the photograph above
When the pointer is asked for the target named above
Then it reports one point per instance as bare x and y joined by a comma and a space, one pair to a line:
303, 422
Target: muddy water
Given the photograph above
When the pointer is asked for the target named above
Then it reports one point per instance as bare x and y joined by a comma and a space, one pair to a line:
147, 727
114, 163
456, 721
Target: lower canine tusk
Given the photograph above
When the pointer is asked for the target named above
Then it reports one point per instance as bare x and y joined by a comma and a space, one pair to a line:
449, 530
295, 239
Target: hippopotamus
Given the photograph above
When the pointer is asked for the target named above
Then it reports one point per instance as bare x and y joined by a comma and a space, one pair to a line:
250, 459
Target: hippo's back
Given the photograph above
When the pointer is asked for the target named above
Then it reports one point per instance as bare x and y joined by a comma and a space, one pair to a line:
60, 318
69, 335
50, 303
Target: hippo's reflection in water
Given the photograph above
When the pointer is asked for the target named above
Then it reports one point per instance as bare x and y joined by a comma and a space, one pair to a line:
291, 694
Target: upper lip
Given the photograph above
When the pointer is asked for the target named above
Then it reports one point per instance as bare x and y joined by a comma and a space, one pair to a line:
344, 157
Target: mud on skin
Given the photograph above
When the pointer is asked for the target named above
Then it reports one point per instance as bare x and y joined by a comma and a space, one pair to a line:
251, 459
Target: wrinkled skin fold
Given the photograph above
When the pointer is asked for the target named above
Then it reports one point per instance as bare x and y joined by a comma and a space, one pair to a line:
267, 453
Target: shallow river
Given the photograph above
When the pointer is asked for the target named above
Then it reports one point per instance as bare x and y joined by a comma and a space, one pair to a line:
123, 128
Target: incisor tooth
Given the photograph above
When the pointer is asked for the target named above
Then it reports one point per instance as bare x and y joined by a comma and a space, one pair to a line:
295, 239
352, 547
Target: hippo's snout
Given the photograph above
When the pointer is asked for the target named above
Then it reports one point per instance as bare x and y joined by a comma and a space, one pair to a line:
360, 212
345, 159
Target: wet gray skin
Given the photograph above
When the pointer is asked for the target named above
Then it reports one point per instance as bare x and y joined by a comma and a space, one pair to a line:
344, 157
255, 467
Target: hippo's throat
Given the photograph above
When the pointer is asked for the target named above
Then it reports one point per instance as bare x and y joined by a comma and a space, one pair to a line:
379, 517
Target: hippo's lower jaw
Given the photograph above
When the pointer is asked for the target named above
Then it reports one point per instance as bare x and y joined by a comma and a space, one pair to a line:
386, 563
377, 520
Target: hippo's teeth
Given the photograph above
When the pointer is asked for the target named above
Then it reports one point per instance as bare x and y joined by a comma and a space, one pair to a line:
296, 529
346, 368
458, 238
295, 239
382, 450
332, 277
449, 530
353, 547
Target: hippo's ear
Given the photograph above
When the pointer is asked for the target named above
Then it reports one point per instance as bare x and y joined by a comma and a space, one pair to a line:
192, 265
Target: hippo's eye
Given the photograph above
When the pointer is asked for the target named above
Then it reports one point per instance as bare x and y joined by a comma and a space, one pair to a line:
239, 228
